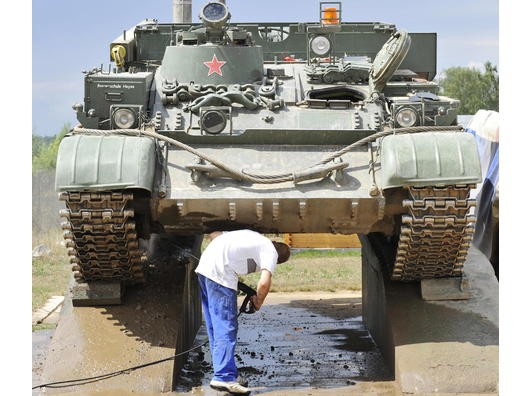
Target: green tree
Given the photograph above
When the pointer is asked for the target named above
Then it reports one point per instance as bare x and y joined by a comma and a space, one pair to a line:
36, 145
491, 79
45, 152
475, 89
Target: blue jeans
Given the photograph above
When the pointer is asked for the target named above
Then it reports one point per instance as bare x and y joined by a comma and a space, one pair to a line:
219, 307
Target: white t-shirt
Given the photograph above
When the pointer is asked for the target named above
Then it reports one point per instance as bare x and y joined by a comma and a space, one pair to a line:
236, 253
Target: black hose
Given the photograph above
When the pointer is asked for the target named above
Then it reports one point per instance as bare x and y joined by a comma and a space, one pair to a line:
83, 381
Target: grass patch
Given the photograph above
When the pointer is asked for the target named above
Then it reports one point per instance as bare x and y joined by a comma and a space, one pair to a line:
326, 253
50, 273
307, 270
325, 270
43, 326
312, 270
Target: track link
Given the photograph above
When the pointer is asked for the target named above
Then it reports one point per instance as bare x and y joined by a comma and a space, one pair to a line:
100, 234
435, 234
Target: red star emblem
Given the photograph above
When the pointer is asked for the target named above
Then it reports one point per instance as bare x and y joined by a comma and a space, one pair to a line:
214, 66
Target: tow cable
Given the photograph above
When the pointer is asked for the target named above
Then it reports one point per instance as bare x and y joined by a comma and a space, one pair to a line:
246, 307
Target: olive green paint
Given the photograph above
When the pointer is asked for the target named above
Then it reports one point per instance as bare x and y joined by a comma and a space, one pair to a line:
105, 163
429, 159
235, 65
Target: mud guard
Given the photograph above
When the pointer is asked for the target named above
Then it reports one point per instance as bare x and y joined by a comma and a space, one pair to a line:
429, 159
105, 163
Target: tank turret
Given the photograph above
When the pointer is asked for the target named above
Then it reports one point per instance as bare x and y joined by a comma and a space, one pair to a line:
227, 53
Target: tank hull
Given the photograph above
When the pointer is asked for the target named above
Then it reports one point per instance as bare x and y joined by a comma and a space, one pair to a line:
338, 203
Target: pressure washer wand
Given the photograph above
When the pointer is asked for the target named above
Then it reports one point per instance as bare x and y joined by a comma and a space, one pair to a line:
247, 307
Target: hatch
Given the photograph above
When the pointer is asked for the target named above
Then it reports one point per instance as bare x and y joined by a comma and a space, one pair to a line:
388, 60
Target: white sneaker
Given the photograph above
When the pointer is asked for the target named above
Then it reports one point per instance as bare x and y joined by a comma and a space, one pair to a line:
232, 387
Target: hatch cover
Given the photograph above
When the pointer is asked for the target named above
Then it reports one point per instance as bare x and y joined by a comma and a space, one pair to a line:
388, 60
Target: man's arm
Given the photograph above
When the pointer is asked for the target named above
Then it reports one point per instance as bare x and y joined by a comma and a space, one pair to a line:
215, 234
263, 288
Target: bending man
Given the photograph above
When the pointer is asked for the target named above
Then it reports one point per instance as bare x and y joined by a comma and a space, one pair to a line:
228, 255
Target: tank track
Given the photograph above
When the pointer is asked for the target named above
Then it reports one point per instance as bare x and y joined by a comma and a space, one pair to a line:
435, 234
100, 234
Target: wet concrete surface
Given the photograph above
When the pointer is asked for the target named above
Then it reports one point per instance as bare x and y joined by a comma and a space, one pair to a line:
299, 342
149, 325
435, 346
40, 341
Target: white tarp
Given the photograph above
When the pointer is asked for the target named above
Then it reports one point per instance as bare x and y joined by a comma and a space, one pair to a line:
485, 127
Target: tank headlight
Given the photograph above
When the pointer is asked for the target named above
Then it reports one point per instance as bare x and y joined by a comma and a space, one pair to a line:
124, 118
214, 15
406, 117
213, 121
320, 45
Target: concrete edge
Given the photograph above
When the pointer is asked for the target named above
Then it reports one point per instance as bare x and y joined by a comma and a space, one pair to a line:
52, 305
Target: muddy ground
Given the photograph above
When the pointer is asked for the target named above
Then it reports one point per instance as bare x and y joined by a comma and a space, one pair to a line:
313, 343
298, 343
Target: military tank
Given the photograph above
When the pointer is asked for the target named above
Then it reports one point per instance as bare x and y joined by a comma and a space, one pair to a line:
317, 127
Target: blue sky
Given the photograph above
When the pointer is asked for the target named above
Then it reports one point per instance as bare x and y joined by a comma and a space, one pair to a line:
70, 36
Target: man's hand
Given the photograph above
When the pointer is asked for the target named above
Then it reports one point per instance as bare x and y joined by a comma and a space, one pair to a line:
262, 290
254, 301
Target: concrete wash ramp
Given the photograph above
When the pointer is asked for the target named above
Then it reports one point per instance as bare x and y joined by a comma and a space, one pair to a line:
435, 346
154, 321
299, 345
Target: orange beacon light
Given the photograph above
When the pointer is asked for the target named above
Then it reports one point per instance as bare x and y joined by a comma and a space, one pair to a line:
331, 16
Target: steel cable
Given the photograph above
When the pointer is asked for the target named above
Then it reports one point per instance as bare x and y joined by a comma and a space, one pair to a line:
267, 178
82, 381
